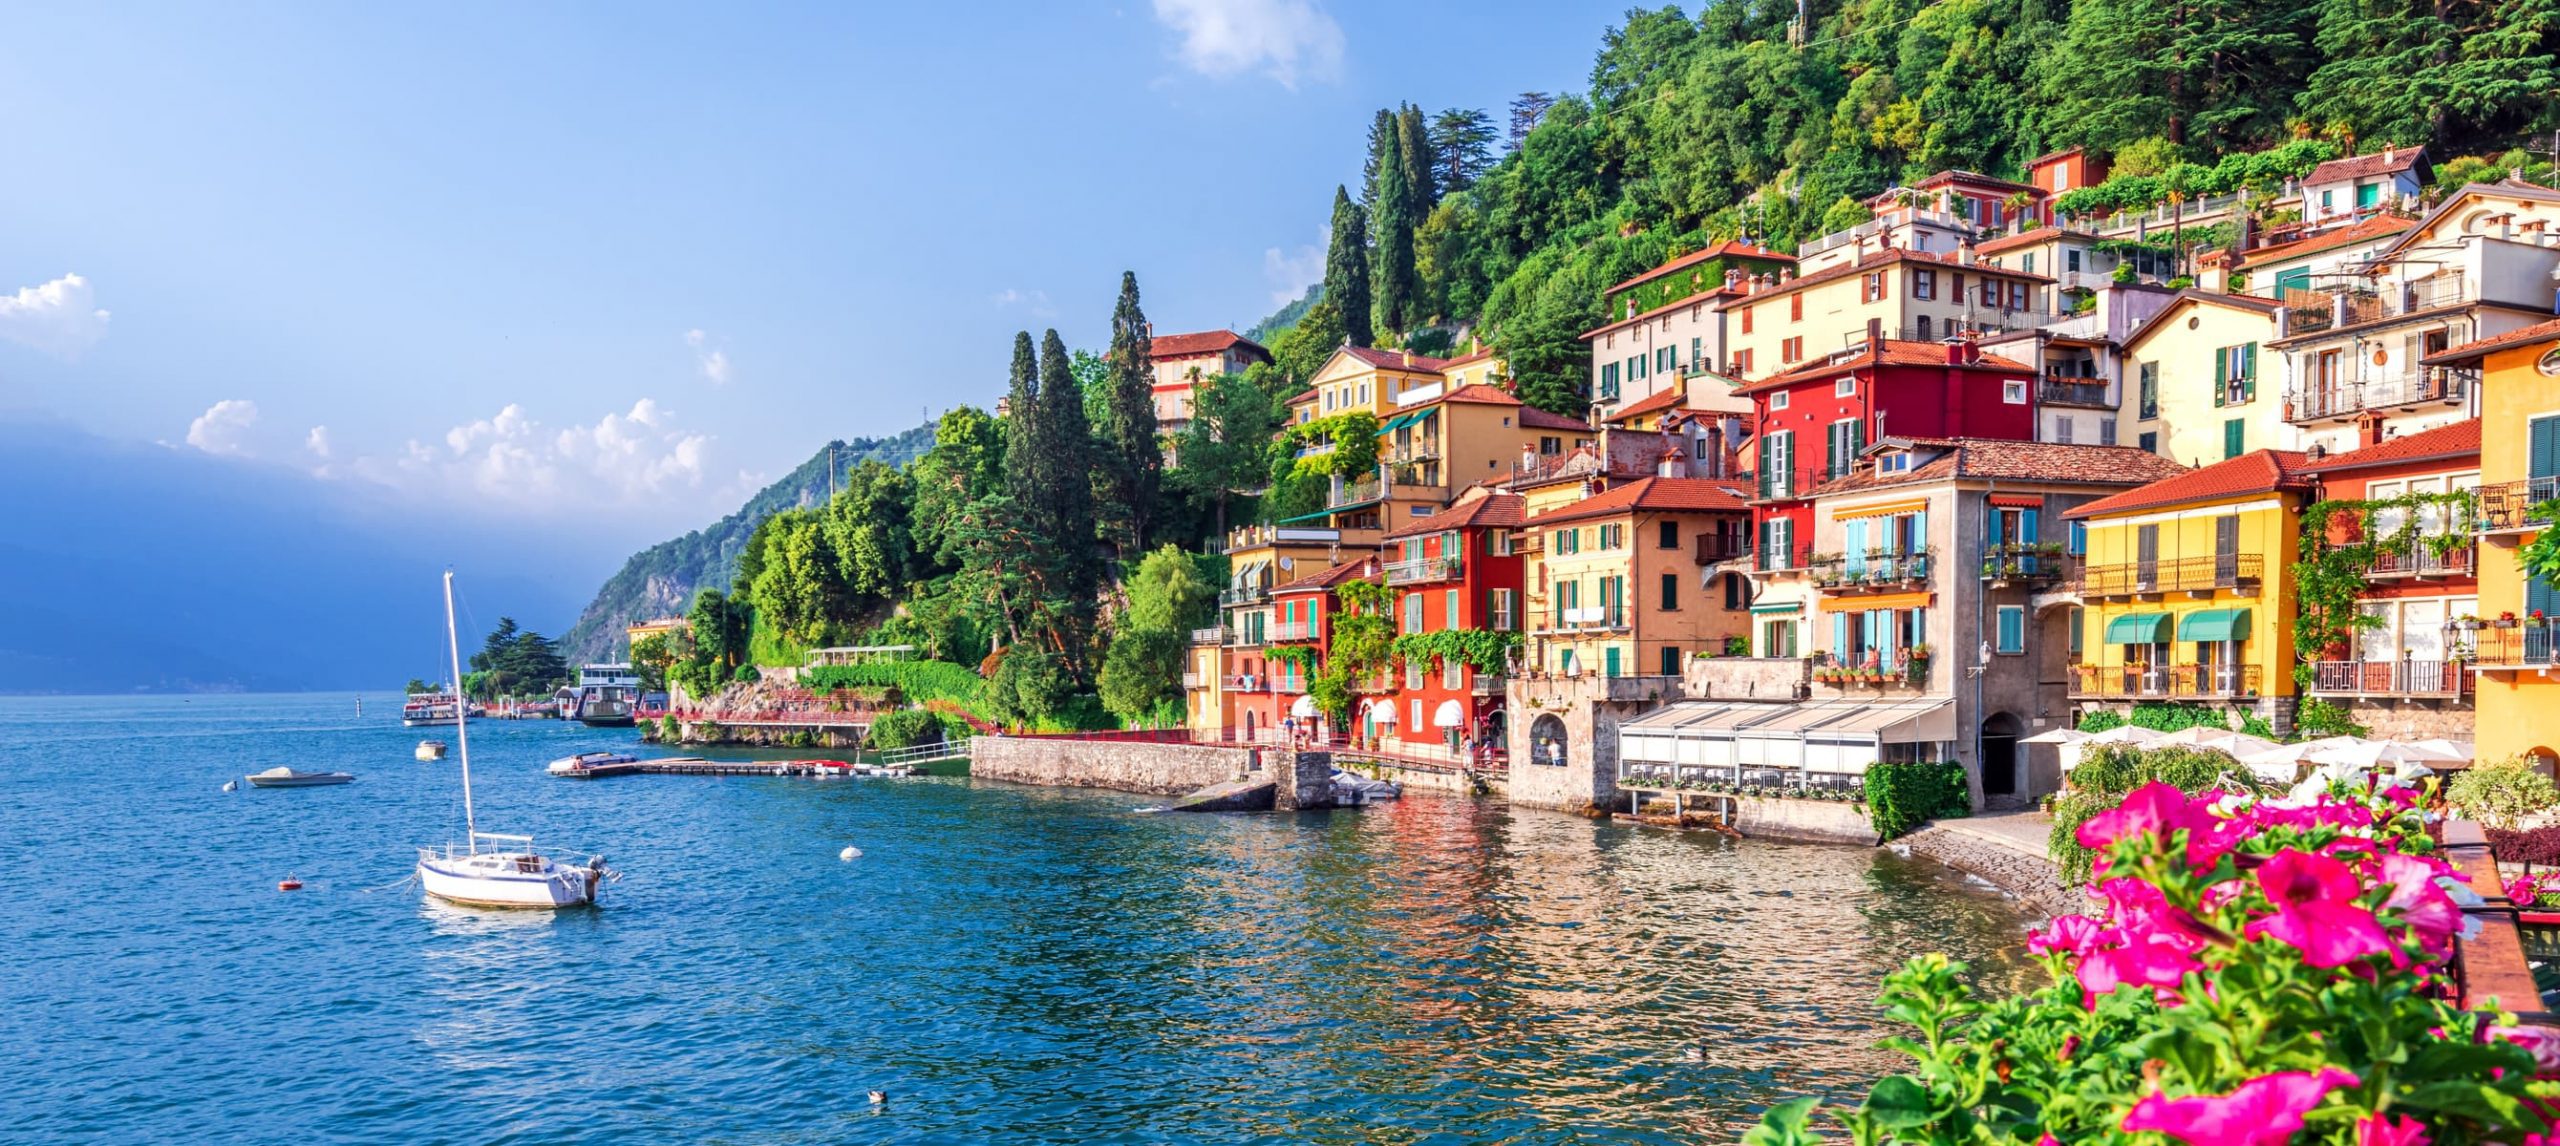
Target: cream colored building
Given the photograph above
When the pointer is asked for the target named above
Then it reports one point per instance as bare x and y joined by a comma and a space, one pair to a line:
2202, 384
1916, 296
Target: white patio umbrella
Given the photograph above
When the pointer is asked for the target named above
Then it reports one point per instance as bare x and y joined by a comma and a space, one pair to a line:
1448, 715
2373, 753
2283, 763
2204, 736
2461, 748
2122, 734
1303, 708
2058, 736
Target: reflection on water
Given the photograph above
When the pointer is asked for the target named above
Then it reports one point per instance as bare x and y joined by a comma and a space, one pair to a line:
1013, 964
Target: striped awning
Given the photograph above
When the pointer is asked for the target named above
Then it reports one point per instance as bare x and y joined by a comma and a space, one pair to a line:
1881, 509
1854, 603
2015, 501
1781, 607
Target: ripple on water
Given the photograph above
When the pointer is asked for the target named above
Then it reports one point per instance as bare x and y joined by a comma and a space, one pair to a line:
1012, 964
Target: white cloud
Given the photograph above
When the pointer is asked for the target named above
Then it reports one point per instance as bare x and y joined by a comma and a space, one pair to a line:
317, 441
224, 427
1035, 301
60, 318
1287, 40
713, 360
1290, 274
624, 457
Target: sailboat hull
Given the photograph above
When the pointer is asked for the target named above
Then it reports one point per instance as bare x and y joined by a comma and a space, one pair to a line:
496, 880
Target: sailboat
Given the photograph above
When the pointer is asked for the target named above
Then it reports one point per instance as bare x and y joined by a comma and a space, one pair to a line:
488, 869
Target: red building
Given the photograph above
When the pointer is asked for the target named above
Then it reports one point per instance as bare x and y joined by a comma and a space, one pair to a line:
1456, 569
1812, 421
1301, 617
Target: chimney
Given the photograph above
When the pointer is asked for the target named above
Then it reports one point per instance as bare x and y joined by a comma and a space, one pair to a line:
1875, 335
1151, 330
2368, 430
2389, 153
1964, 253
1408, 358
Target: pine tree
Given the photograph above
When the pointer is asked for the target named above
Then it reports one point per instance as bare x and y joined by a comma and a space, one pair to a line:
1132, 462
1023, 455
1346, 269
1421, 164
2418, 71
1526, 109
1462, 139
1391, 223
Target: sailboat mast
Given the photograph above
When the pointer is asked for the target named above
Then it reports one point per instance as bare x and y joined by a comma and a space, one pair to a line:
461, 717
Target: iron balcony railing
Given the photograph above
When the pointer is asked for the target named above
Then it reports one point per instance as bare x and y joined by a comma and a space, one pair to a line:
1423, 570
1872, 570
2024, 561
2174, 682
1415, 452
1584, 618
1288, 684
1487, 684
2511, 505
1245, 595
2409, 390
1715, 547
1244, 637
2530, 645
1246, 682
1782, 558
2192, 574
2389, 678
2425, 561
2075, 390
1291, 631
1353, 493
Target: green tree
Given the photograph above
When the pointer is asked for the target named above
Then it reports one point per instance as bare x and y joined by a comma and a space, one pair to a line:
1391, 223
653, 655
868, 526
1843, 214
1302, 351
798, 591
2417, 72
1421, 164
1030, 688
1168, 592
719, 628
1346, 282
1067, 464
1232, 420
1131, 459
1141, 671
416, 686
1462, 140
965, 465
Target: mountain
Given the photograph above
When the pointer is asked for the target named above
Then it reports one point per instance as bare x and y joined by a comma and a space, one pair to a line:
135, 567
1287, 316
662, 579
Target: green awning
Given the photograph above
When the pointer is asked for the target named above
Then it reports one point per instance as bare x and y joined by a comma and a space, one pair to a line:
2214, 625
2138, 629
1399, 420
1788, 607
1319, 515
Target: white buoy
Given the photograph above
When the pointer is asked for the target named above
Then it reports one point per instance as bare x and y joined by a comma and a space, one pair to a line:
850, 853
231, 785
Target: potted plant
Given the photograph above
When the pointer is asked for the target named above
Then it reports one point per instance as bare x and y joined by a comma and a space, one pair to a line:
2504, 621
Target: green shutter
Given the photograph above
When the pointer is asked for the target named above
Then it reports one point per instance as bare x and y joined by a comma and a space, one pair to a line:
2234, 437
2543, 447
2249, 373
2221, 373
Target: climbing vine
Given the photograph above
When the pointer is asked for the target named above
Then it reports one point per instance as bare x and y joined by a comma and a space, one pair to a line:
2329, 581
1483, 650
1301, 657
1354, 436
2540, 557
1363, 645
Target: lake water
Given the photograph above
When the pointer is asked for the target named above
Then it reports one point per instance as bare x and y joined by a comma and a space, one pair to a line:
1011, 964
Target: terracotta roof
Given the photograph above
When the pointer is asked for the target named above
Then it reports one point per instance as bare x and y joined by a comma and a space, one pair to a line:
2259, 471
2459, 440
1394, 359
1465, 359
1896, 352
1326, 579
2054, 155
1651, 404
2364, 166
2462, 202
2029, 239
2002, 459
1656, 494
2247, 302
1306, 395
1533, 418
1165, 346
1707, 297
1892, 255
1479, 392
1730, 247
1492, 511
2375, 227
2472, 352
1953, 175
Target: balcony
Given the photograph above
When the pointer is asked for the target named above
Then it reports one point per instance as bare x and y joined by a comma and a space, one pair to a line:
1870, 572
1346, 494
2075, 390
1589, 618
1257, 536
1419, 395
2032, 562
2389, 678
1213, 635
1246, 595
1716, 547
2232, 571
2405, 393
2426, 562
2529, 646
1289, 684
1411, 454
2514, 506
1423, 570
1292, 631
2312, 311
1785, 560
1244, 637
2176, 682
1487, 684
1246, 683
1193, 680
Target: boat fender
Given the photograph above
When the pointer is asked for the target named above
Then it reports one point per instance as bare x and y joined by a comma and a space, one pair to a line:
849, 854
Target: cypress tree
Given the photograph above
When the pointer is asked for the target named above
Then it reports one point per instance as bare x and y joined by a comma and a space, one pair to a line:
1382, 140
1391, 223
1024, 456
1421, 164
1346, 269
1068, 469
1132, 462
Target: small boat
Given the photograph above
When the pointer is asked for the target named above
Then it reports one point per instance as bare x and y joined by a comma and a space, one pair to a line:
488, 869
1351, 790
288, 778
432, 749
571, 765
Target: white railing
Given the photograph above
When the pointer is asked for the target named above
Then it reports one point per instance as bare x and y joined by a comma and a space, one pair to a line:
1429, 392
1421, 569
1292, 631
1214, 634
1191, 680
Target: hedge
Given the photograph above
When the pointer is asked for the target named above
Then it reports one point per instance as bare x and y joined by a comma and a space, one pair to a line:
1901, 796
905, 728
915, 680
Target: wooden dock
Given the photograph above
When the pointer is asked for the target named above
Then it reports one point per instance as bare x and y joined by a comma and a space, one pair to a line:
697, 766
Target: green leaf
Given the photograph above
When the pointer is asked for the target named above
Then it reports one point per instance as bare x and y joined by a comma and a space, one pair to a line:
1899, 1101
1784, 1125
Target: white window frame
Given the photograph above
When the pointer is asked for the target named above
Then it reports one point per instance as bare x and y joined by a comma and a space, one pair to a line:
2013, 392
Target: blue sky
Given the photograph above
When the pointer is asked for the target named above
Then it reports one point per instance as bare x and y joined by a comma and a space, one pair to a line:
559, 258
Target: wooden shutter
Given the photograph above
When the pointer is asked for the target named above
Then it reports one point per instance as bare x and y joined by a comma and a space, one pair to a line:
2234, 437
2249, 373
2226, 535
2543, 448
2221, 374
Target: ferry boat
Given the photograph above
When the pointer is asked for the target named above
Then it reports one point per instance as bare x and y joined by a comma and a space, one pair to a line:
430, 710
606, 696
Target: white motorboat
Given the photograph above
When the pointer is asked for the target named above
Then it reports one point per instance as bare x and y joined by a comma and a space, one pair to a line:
572, 765
432, 749
488, 869
289, 778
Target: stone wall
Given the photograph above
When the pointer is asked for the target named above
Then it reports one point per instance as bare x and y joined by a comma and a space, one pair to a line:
1434, 779
2411, 719
1746, 678
2031, 878
1802, 821
1305, 780
1128, 766
713, 732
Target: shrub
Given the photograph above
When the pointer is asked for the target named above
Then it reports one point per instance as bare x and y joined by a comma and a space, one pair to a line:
2108, 771
2502, 793
914, 680
1900, 796
904, 728
2528, 846
2318, 719
747, 674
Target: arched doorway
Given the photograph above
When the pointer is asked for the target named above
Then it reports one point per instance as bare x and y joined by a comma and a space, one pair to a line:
1497, 730
1546, 741
2000, 756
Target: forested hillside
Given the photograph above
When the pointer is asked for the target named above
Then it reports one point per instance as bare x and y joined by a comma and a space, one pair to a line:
1733, 122
660, 580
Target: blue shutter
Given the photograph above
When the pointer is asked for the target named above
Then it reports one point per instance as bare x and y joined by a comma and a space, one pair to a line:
2543, 452
2027, 535
1856, 540
1840, 638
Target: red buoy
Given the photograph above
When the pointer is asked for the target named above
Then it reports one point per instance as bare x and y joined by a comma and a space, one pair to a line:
288, 883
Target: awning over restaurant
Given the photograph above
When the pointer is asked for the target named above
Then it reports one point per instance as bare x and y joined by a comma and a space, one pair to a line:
1880, 509
1816, 736
1780, 607
2138, 629
2214, 625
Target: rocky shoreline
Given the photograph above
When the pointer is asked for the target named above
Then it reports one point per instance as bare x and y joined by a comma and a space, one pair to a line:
2029, 878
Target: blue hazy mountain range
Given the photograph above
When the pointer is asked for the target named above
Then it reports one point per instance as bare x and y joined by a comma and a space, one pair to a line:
133, 566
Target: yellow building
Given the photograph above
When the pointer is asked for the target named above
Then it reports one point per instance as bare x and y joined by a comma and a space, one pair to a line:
2518, 700
1618, 581
2183, 589
638, 631
2203, 386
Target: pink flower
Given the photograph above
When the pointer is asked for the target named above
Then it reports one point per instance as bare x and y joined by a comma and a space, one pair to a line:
2070, 935
2419, 899
2314, 898
2395, 1130
2157, 960
2264, 1111
2543, 1042
2152, 809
